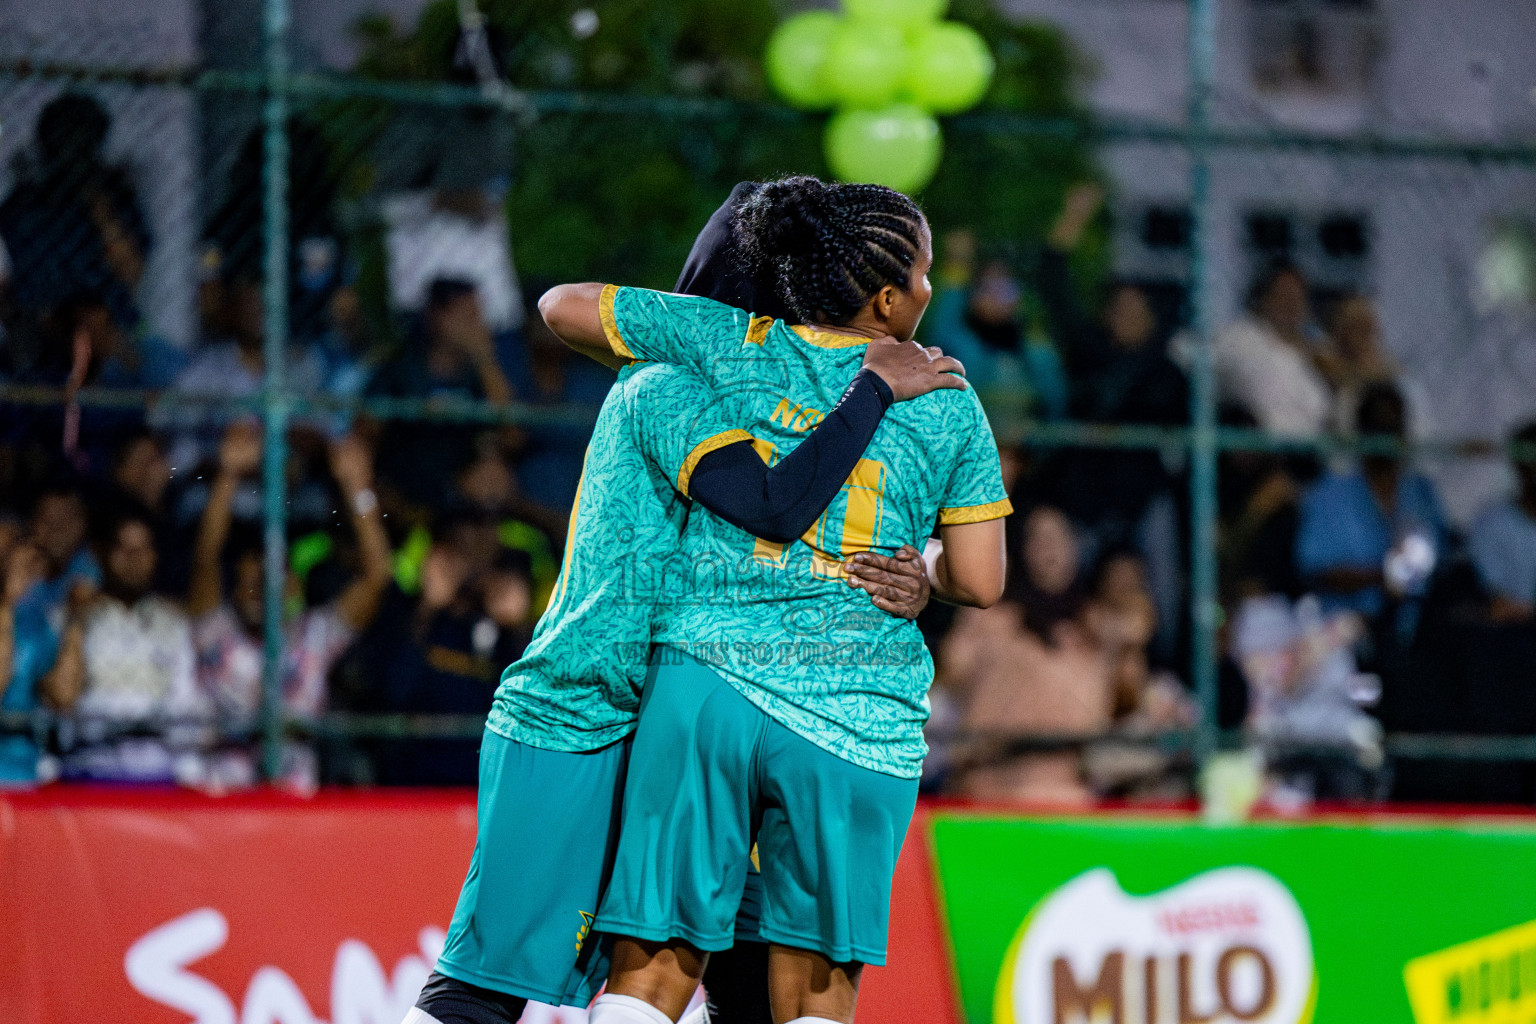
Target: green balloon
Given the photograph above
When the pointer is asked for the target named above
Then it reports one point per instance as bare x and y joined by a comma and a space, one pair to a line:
949, 67
901, 12
866, 63
797, 58
898, 147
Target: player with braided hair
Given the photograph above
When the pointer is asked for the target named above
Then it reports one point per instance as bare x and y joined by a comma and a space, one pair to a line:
556, 742
777, 709
826, 256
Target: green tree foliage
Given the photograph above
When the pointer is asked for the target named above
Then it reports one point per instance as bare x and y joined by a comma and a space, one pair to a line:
621, 196
676, 46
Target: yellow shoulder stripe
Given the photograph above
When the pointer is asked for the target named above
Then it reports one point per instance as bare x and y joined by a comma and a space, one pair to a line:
610, 325
757, 330
975, 513
702, 449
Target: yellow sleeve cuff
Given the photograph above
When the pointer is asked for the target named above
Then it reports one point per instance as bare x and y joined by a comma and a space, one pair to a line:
975, 513
610, 325
702, 449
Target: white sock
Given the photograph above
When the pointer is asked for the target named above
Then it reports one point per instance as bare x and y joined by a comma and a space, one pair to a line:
813, 1020
700, 1015
612, 1009
420, 1016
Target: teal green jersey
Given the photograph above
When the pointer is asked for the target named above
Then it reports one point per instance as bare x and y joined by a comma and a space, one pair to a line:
577, 686
780, 622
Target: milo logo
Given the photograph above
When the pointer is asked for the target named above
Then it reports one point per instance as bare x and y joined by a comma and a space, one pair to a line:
1227, 945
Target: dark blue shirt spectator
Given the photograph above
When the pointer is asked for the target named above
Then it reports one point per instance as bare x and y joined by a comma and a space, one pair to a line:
41, 573
73, 222
444, 652
1503, 542
453, 357
1352, 522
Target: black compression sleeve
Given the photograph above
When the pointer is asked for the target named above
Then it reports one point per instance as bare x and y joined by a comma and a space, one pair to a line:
780, 503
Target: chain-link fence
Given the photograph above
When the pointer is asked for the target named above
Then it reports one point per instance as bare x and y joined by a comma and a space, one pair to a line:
214, 215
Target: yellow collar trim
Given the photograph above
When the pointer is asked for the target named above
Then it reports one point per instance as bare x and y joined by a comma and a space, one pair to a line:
826, 339
757, 330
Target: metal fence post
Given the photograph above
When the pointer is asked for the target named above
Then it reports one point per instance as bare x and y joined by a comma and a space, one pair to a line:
274, 176
1203, 558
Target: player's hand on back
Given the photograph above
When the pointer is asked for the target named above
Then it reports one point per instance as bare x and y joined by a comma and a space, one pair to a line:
897, 584
910, 370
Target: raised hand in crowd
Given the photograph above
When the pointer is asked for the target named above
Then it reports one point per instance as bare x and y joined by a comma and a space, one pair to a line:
239, 457
63, 685
461, 326
1078, 208
240, 452
352, 466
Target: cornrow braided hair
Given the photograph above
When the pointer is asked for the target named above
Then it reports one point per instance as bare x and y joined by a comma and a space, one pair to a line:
827, 248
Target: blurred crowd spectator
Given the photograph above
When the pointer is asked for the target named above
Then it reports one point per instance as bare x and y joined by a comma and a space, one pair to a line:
1503, 541
72, 225
1063, 657
132, 547
1266, 362
1121, 375
227, 601
1353, 605
423, 541
1370, 531
452, 357
978, 316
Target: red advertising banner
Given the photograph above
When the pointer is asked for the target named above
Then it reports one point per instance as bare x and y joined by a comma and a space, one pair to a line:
169, 908
916, 983
165, 908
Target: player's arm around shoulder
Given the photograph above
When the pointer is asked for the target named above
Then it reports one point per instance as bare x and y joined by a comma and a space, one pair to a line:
573, 313
616, 326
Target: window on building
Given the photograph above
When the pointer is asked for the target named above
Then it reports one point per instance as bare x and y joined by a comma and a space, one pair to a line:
1323, 47
1332, 247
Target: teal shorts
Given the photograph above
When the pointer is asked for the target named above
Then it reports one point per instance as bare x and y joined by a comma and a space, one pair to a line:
548, 830
709, 774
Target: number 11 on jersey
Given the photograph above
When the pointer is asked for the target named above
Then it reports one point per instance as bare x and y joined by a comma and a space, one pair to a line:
865, 490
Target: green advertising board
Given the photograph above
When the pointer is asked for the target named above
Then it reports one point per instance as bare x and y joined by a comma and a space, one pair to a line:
1116, 920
